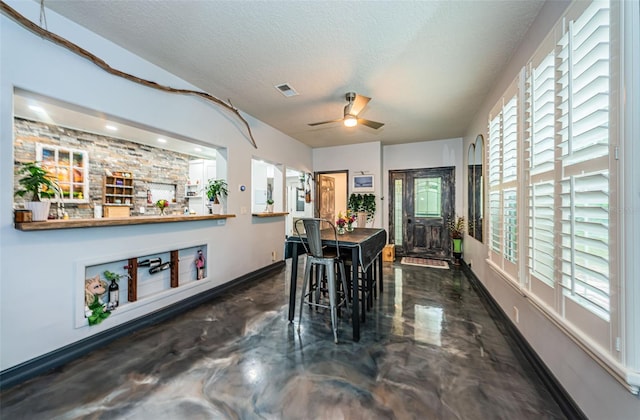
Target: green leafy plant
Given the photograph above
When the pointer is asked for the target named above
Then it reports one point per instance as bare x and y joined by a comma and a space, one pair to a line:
217, 188
363, 203
356, 203
36, 181
269, 201
110, 275
369, 204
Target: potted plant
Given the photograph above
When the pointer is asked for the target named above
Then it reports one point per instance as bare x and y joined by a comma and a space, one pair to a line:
39, 183
369, 204
456, 231
269, 205
364, 205
216, 189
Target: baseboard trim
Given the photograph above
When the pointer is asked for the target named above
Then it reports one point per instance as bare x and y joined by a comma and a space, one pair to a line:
39, 365
557, 391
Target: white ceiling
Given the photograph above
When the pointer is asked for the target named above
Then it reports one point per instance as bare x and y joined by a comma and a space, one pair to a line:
427, 64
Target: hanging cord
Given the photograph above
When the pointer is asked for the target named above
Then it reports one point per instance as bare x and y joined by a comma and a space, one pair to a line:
43, 15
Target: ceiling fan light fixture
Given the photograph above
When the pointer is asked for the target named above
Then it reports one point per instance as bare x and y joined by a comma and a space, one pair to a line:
350, 121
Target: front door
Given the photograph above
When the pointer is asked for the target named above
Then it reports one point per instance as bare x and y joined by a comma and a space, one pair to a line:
422, 201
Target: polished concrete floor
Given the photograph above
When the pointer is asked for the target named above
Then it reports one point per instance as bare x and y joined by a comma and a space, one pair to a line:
429, 350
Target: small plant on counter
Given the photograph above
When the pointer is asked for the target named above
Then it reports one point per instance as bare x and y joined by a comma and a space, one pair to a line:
216, 189
270, 202
162, 205
37, 182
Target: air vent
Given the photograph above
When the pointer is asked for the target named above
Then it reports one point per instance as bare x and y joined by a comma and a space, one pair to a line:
286, 90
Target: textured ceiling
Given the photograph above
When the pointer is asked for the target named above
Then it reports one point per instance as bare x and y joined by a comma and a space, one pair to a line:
427, 64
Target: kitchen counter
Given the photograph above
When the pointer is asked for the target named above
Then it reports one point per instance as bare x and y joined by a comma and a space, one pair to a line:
115, 221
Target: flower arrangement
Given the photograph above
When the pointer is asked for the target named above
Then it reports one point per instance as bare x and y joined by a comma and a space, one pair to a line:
162, 204
346, 221
456, 227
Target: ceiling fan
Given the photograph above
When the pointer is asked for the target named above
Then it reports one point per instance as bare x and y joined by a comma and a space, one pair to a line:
355, 105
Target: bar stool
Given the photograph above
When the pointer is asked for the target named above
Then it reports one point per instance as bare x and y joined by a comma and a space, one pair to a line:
316, 257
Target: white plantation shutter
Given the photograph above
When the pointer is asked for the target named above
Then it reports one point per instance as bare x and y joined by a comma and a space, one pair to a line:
495, 170
584, 145
540, 134
541, 231
510, 223
542, 85
503, 182
573, 116
510, 140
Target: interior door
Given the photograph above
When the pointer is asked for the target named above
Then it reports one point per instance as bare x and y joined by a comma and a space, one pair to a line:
422, 201
327, 191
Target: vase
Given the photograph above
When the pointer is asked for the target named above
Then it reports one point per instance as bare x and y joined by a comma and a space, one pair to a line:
341, 230
362, 219
457, 249
162, 213
39, 210
350, 227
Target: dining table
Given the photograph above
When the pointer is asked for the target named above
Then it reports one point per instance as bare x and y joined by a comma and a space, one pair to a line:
365, 246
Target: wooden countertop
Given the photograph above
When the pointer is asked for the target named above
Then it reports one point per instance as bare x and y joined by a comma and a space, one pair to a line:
272, 214
115, 221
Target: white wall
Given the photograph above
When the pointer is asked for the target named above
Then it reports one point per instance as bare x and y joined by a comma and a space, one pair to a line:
426, 154
356, 158
41, 272
597, 393
374, 159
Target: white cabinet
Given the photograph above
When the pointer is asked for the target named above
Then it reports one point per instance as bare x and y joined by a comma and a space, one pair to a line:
200, 171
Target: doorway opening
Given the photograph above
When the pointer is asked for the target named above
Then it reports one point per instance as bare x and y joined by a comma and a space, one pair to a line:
331, 194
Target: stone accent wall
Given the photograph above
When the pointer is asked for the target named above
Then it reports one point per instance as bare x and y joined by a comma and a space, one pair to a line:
146, 164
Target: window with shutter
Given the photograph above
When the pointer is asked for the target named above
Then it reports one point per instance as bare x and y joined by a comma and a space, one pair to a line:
503, 183
584, 144
540, 134
572, 115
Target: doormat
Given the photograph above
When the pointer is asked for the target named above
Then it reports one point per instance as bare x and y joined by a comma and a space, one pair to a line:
425, 262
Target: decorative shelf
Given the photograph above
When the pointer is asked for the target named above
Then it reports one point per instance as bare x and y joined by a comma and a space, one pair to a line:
115, 221
274, 214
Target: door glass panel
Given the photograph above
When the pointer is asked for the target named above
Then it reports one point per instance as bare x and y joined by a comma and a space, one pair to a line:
428, 197
397, 211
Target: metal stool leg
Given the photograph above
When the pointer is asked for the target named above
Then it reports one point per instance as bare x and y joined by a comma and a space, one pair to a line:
307, 275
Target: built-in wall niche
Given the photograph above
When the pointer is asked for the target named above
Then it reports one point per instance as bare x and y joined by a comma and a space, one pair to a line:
142, 280
266, 186
157, 191
109, 145
475, 187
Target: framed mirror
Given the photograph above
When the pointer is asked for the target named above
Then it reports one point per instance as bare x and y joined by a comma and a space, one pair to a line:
471, 158
476, 187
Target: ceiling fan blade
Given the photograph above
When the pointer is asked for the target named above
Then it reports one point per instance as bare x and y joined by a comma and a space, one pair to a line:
373, 124
324, 122
358, 104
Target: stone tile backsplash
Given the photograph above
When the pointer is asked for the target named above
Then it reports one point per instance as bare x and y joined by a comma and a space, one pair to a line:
147, 164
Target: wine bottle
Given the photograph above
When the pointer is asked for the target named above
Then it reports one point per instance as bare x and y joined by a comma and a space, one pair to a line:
149, 262
160, 267
114, 294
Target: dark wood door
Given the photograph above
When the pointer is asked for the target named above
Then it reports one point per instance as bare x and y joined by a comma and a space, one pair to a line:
422, 201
